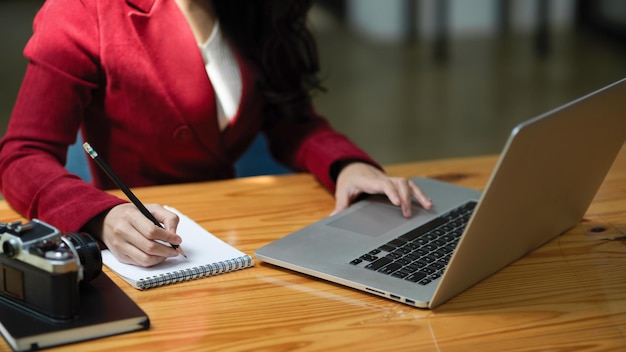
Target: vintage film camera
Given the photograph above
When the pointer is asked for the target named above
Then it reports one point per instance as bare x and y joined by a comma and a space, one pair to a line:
41, 269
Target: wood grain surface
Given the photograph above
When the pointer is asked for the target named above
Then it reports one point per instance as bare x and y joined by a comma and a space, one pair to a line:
568, 295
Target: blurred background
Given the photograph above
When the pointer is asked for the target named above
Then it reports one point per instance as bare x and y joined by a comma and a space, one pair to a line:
413, 80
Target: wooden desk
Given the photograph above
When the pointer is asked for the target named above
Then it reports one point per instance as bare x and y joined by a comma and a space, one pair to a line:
568, 295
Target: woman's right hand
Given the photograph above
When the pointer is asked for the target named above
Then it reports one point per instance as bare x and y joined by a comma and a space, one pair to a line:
133, 238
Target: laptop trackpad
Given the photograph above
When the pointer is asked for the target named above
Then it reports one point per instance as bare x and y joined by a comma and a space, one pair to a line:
373, 220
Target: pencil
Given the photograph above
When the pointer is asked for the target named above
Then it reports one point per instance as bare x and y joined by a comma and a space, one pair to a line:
105, 167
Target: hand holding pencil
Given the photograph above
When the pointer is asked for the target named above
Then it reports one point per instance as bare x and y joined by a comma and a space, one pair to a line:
136, 202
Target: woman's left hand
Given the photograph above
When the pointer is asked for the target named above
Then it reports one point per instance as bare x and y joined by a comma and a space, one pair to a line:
357, 178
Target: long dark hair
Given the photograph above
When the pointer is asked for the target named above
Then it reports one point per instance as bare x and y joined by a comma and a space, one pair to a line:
273, 34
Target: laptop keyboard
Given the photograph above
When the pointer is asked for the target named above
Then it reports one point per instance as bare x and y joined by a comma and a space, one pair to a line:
422, 254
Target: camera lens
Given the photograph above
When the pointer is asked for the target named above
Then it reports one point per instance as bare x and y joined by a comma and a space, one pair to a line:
8, 249
88, 253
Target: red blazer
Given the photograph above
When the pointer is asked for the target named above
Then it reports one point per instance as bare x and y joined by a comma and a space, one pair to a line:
130, 76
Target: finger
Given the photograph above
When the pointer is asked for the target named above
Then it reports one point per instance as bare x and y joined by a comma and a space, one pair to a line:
124, 258
167, 218
126, 252
149, 231
390, 189
404, 194
421, 198
341, 203
146, 237
342, 198
132, 255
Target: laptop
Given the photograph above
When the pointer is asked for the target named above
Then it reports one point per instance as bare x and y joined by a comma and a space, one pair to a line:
545, 179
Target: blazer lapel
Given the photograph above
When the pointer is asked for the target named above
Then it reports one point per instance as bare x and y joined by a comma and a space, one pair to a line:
167, 39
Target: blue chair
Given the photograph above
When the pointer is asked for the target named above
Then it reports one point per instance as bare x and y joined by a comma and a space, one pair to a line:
77, 160
255, 161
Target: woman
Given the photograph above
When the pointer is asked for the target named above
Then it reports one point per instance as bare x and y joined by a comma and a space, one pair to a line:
169, 91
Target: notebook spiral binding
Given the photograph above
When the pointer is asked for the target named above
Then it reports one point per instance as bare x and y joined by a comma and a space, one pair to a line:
196, 272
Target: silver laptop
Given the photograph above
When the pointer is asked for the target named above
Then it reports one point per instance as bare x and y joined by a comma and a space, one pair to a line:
545, 179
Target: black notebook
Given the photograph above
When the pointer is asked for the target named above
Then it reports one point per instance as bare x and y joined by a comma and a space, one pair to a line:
104, 310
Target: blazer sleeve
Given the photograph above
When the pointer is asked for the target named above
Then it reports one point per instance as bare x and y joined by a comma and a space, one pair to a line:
313, 145
61, 76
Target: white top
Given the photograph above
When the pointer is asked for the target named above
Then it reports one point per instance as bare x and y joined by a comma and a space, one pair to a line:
221, 66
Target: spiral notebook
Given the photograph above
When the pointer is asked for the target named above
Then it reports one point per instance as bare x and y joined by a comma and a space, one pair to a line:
207, 255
